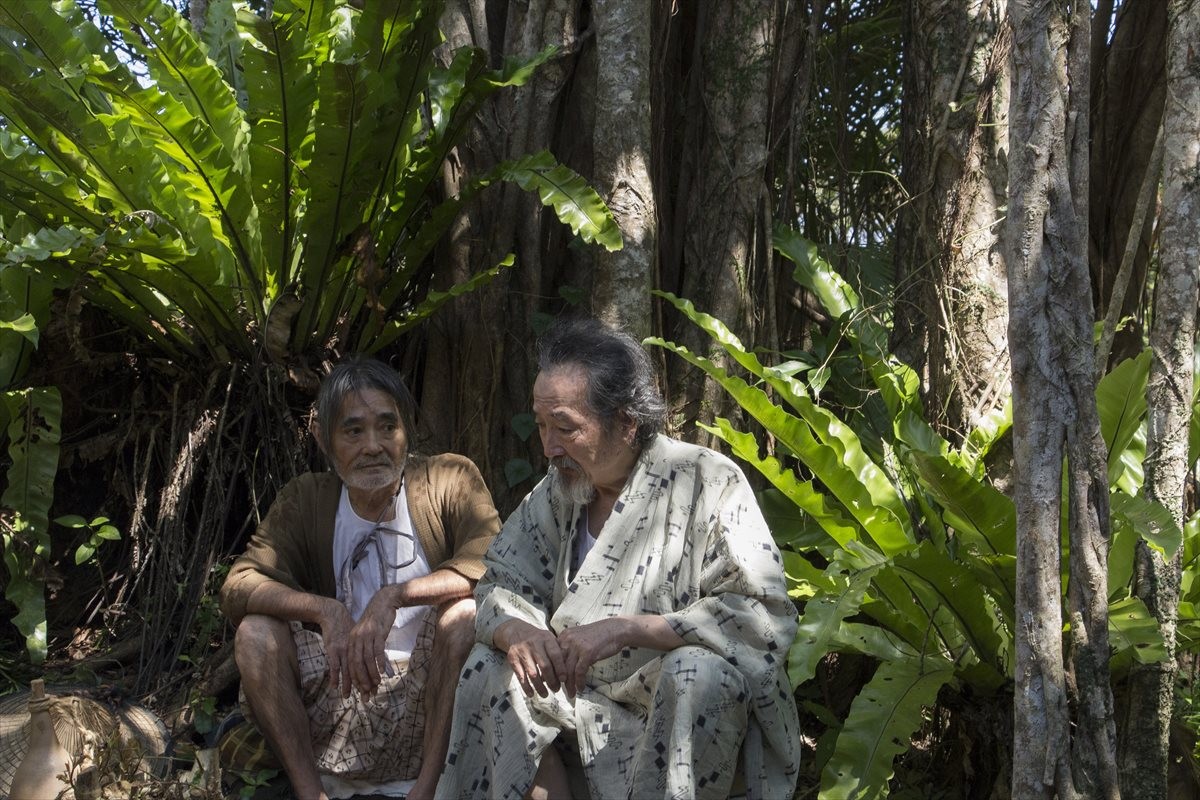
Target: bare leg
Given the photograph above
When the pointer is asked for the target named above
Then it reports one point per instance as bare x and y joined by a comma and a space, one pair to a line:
266, 657
551, 781
452, 641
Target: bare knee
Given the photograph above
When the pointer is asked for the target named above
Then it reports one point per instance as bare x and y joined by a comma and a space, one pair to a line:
262, 646
455, 632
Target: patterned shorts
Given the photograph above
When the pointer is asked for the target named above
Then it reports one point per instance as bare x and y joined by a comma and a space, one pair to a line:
374, 738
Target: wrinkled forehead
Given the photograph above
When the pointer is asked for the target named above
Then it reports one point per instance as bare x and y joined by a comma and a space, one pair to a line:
562, 391
366, 405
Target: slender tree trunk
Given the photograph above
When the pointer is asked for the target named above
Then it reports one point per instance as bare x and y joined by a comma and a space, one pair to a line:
622, 147
1144, 755
799, 38
1127, 101
951, 308
1041, 726
197, 11
1055, 415
478, 368
723, 208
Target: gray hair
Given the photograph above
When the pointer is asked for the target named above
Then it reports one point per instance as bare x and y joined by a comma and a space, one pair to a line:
354, 375
620, 377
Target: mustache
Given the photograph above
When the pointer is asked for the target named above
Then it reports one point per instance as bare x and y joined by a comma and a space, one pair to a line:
565, 462
367, 463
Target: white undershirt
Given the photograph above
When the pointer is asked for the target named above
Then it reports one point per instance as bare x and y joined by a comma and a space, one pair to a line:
349, 529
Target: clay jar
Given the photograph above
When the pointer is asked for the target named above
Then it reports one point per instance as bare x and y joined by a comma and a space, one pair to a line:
37, 776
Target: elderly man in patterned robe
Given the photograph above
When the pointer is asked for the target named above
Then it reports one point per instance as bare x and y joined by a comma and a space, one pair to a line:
633, 616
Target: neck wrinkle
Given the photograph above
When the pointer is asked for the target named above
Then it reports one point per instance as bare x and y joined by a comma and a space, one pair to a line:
379, 505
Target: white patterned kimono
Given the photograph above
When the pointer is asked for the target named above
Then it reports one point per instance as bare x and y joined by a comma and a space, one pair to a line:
685, 540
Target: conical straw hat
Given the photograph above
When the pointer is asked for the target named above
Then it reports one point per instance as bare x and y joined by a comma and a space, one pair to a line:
80, 724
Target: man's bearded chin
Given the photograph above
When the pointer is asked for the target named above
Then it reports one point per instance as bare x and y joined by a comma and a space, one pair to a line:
363, 478
578, 489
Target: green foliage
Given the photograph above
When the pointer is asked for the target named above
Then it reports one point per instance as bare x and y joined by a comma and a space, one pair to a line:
517, 470
205, 714
1188, 709
1194, 427
24, 310
254, 780
33, 435
879, 726
268, 186
208, 621
896, 541
846, 188
265, 191
523, 425
99, 531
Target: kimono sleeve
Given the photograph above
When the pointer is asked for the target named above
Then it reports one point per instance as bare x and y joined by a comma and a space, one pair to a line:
743, 610
521, 568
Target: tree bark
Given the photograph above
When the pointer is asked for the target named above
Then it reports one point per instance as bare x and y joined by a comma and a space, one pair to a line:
679, 143
1041, 732
1144, 755
1045, 240
478, 367
622, 147
723, 206
951, 307
1126, 108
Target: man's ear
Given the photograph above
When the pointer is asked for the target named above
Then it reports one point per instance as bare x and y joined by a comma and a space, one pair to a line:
630, 432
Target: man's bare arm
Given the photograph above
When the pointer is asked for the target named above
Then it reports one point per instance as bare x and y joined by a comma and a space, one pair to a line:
434, 589
283, 602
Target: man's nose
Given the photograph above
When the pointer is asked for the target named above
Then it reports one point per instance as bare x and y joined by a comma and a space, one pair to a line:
550, 445
373, 442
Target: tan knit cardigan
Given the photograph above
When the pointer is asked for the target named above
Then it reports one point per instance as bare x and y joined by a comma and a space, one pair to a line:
450, 506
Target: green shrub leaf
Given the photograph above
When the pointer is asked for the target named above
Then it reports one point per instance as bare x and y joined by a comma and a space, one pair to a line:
819, 623
882, 720
1133, 634
33, 437
1121, 402
830, 450
517, 470
573, 200
1150, 519
523, 425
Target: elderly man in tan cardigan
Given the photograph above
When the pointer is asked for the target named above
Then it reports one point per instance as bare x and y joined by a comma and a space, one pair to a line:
353, 599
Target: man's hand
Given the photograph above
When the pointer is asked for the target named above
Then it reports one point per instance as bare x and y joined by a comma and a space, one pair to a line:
336, 624
586, 644
368, 639
535, 656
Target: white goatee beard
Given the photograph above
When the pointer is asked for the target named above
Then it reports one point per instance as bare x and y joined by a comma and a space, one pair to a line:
578, 489
362, 480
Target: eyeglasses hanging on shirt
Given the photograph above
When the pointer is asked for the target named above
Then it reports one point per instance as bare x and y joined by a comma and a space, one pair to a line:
406, 554
406, 551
